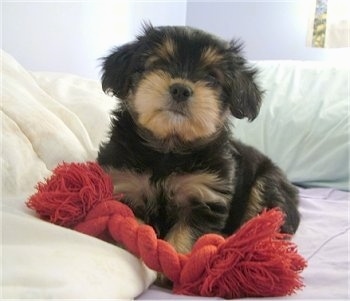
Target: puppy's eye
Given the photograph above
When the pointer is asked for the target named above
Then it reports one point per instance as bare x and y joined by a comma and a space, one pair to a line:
214, 77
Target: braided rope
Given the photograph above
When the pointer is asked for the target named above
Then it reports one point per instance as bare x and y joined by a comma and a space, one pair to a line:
255, 261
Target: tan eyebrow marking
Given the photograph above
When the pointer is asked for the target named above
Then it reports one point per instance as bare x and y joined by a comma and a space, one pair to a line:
210, 56
167, 49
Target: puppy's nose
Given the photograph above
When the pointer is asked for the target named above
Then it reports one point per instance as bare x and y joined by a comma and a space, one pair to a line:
180, 92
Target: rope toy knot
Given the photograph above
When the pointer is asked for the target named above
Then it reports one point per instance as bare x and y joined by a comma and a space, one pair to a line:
256, 261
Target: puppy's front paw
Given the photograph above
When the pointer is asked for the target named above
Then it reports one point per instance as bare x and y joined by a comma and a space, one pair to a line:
163, 281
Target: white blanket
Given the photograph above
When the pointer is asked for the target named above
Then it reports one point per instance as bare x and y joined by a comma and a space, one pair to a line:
46, 119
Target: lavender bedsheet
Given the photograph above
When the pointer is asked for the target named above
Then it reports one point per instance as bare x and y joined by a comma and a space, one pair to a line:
322, 238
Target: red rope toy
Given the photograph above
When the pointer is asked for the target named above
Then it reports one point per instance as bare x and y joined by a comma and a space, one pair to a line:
255, 261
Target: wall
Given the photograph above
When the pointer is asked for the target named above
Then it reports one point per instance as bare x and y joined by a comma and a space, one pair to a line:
71, 36
269, 29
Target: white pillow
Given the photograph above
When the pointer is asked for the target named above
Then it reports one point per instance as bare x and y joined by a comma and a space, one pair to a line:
303, 125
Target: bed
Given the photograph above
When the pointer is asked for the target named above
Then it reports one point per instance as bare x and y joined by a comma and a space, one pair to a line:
49, 118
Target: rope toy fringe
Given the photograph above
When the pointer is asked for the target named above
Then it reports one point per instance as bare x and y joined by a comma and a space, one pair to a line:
256, 261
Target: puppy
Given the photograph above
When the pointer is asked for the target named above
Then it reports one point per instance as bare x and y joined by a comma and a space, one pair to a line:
171, 151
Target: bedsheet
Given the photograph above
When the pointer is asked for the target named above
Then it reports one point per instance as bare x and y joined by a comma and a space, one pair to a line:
322, 238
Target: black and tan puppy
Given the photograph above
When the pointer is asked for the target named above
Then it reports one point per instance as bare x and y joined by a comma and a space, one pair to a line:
171, 152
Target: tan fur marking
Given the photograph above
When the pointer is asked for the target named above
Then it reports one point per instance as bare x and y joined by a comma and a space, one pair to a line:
203, 186
210, 56
206, 117
135, 187
166, 49
152, 103
150, 61
180, 237
256, 201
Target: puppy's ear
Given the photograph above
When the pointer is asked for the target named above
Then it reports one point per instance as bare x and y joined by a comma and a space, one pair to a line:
117, 70
245, 95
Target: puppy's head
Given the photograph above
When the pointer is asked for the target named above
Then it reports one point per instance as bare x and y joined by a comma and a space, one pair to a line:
181, 82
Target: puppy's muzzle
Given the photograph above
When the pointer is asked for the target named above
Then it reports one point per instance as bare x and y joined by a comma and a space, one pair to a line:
180, 92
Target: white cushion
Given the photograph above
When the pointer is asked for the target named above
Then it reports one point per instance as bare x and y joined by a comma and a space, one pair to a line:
303, 125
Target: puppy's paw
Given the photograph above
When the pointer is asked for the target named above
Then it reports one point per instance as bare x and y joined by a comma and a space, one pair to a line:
163, 281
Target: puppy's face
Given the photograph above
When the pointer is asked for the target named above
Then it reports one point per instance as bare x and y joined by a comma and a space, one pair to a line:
181, 82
